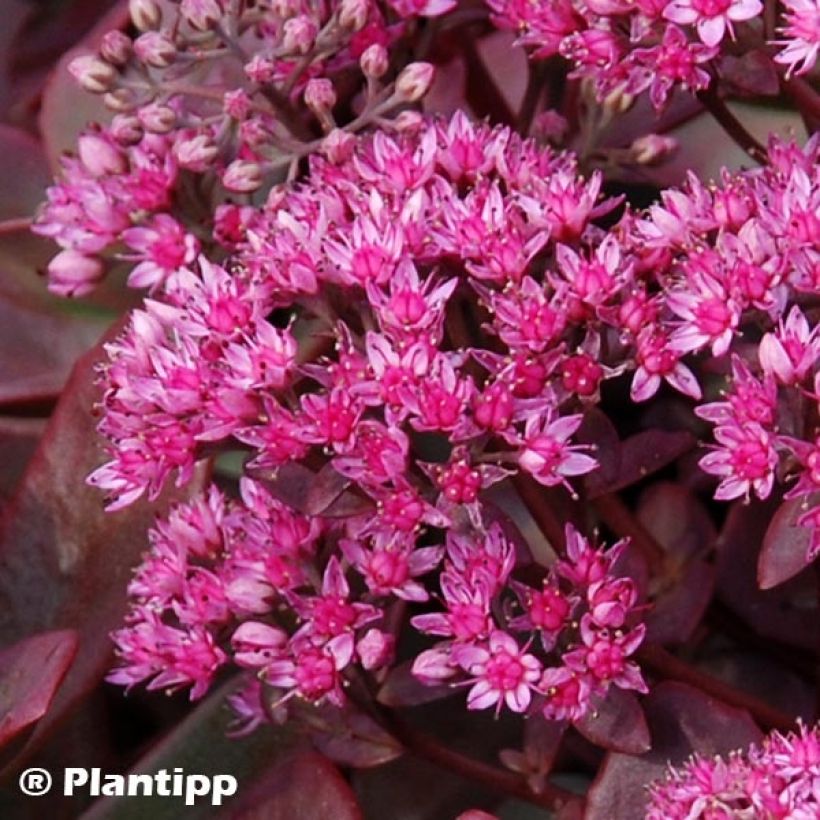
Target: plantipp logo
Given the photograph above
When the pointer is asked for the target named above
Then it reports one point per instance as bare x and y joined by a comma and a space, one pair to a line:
164, 783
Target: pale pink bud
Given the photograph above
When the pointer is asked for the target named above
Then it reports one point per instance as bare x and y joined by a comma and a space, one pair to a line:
353, 14
93, 73
115, 47
300, 35
196, 152
156, 118
201, 14
254, 133
259, 69
155, 49
408, 121
338, 145
242, 176
71, 273
284, 8
122, 100
320, 96
126, 129
376, 649
99, 156
618, 102
653, 148
414, 81
237, 104
146, 15
374, 61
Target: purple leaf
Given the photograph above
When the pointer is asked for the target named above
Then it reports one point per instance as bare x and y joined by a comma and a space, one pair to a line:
617, 723
787, 612
352, 738
753, 74
682, 721
30, 673
785, 551
64, 562
641, 455
598, 430
402, 688
312, 493
305, 784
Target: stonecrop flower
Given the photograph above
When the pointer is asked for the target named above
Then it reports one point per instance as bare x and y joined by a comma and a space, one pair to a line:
774, 779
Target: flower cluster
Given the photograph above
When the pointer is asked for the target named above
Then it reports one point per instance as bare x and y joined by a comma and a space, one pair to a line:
654, 45
181, 141
580, 597
330, 342
776, 779
739, 257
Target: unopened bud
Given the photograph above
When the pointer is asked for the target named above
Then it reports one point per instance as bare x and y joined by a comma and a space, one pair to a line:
237, 104
618, 102
93, 73
408, 121
156, 118
201, 14
376, 649
299, 35
338, 145
100, 156
155, 49
126, 129
374, 61
653, 148
115, 47
254, 133
71, 273
353, 14
320, 96
122, 100
146, 15
196, 152
414, 81
285, 9
242, 176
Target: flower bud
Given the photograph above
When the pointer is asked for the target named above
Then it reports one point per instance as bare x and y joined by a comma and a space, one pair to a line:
93, 73
374, 61
115, 47
201, 14
320, 96
242, 176
652, 148
156, 118
618, 102
254, 133
146, 15
155, 49
338, 145
285, 9
237, 104
126, 129
196, 152
376, 649
100, 156
414, 81
299, 35
71, 273
408, 121
353, 14
121, 100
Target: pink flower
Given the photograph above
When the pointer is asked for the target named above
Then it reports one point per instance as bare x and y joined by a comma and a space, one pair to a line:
712, 17
745, 461
501, 673
162, 247
545, 451
792, 350
567, 694
801, 36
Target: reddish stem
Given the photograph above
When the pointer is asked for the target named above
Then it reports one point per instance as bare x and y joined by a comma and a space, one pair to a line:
711, 100
617, 516
423, 745
666, 665
18, 225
